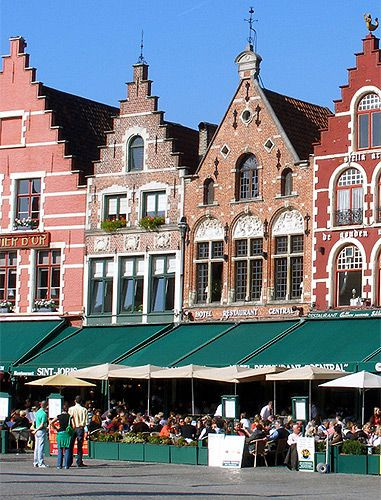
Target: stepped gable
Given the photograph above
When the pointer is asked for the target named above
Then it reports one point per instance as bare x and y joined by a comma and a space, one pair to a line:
185, 144
83, 124
301, 120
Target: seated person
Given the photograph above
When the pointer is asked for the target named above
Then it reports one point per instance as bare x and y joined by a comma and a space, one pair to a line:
140, 426
257, 434
188, 431
278, 432
359, 434
337, 436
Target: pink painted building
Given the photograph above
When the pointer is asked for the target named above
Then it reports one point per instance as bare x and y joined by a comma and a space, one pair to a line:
48, 141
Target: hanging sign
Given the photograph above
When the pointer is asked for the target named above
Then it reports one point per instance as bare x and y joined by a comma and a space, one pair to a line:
233, 452
306, 453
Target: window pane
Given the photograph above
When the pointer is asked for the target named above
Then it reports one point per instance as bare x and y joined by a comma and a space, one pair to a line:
281, 244
296, 277
170, 294
171, 264
108, 286
139, 267
297, 244
56, 277
376, 129
216, 284
128, 267
241, 248
202, 250
112, 206
202, 282
2, 258
35, 207
97, 269
110, 268
256, 279
217, 249
240, 279
43, 257
123, 205
347, 282
150, 204
56, 256
158, 294
23, 207
256, 246
127, 296
363, 131
158, 265
96, 297
280, 279
12, 279
23, 186
42, 279
36, 186
161, 204
12, 258
136, 153
139, 285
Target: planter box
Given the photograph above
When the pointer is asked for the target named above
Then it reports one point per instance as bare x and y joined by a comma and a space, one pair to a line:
319, 457
183, 455
90, 449
133, 452
156, 453
5, 310
374, 464
352, 464
105, 451
46, 309
202, 455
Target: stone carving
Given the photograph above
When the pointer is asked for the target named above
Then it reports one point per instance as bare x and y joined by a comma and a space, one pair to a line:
163, 240
289, 222
131, 242
248, 226
102, 244
209, 229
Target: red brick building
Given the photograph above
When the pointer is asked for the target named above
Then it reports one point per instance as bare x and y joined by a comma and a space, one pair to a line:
249, 207
135, 233
347, 191
48, 140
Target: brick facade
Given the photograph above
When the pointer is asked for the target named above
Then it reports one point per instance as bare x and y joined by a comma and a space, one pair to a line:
350, 222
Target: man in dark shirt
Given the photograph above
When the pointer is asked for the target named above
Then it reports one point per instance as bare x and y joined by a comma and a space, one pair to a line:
140, 426
188, 431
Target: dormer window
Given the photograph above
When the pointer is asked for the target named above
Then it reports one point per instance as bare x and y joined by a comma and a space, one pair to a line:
208, 197
135, 154
369, 121
248, 179
286, 182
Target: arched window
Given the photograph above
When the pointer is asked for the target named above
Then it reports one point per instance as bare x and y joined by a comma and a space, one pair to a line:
349, 277
135, 154
248, 179
286, 182
369, 121
378, 202
208, 196
349, 198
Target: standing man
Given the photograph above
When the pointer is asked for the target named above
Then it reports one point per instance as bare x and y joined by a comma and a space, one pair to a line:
41, 423
79, 416
267, 411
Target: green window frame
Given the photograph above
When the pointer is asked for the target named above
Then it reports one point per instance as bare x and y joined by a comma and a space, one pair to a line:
131, 285
115, 206
101, 286
162, 283
136, 154
154, 204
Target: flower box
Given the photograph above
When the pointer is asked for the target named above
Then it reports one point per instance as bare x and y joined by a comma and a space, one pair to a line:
374, 464
105, 451
351, 464
183, 454
112, 225
150, 223
156, 453
133, 452
5, 310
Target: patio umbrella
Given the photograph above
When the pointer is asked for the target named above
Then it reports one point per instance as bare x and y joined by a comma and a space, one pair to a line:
224, 374
60, 380
361, 380
99, 372
140, 372
308, 372
187, 371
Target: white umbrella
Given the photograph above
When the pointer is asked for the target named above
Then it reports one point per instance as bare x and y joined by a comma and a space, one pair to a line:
224, 374
61, 380
308, 372
141, 372
361, 380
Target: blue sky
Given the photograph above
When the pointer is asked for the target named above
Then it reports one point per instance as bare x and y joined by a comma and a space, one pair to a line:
87, 47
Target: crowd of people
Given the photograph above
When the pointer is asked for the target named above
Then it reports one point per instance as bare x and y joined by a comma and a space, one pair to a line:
79, 421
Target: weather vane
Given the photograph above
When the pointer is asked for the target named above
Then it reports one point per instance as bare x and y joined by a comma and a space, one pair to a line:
368, 20
252, 39
141, 59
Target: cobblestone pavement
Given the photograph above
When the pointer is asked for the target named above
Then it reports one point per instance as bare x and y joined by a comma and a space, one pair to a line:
108, 479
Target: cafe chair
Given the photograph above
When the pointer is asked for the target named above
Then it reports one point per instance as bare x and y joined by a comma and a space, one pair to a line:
259, 450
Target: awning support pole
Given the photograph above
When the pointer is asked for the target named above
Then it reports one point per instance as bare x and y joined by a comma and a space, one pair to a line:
274, 405
363, 407
149, 396
192, 388
309, 399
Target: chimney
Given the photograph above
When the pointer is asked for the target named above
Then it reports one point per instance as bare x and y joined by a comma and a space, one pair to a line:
205, 134
248, 63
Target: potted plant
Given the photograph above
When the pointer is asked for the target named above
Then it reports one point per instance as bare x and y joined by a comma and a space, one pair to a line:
6, 306
132, 447
111, 225
320, 452
352, 459
45, 305
106, 446
151, 223
183, 452
374, 461
26, 223
157, 450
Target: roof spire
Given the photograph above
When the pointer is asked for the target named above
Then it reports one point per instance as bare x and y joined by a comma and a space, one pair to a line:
252, 38
141, 59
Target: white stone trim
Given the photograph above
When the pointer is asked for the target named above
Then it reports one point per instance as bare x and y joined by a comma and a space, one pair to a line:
357, 96
63, 216
19, 113
375, 278
376, 202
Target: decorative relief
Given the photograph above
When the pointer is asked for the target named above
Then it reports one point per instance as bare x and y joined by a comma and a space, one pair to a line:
131, 242
209, 229
248, 226
289, 222
102, 244
163, 240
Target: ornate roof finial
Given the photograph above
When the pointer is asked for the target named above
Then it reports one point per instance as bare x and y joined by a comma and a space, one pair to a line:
252, 38
141, 59
368, 21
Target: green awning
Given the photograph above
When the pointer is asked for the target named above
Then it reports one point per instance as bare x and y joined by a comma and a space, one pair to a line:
327, 342
18, 339
235, 344
176, 344
88, 346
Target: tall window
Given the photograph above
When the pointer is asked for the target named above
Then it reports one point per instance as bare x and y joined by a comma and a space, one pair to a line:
8, 273
154, 204
349, 198
348, 276
378, 202
115, 206
248, 179
48, 275
369, 121
288, 267
248, 269
136, 154
208, 192
286, 182
101, 286
163, 283
28, 202
209, 271
131, 285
